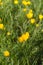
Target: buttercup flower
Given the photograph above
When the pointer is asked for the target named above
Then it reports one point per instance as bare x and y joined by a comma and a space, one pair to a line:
6, 53
20, 39
15, 1
24, 37
30, 14
26, 2
40, 16
1, 26
32, 21
29, 3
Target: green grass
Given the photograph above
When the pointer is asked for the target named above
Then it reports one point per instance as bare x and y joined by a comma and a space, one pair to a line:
29, 52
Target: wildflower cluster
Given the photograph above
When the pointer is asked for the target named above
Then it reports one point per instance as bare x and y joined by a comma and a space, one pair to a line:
21, 21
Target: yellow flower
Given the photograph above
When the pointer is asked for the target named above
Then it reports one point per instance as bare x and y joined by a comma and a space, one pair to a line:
6, 53
32, 21
37, 25
40, 16
26, 2
8, 33
15, 1
27, 36
30, 14
20, 39
24, 37
1, 26
24, 9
